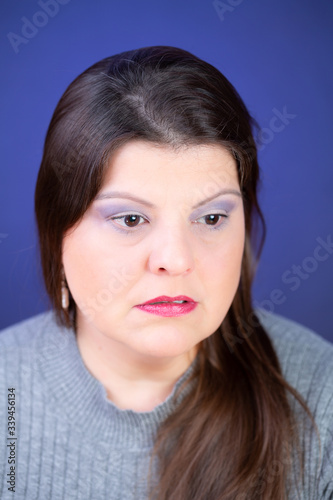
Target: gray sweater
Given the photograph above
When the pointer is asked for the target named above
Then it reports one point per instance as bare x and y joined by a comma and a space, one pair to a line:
68, 441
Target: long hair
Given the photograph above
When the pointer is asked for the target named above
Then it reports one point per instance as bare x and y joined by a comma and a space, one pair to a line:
224, 438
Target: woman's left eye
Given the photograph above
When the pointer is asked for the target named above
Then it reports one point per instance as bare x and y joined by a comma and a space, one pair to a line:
213, 220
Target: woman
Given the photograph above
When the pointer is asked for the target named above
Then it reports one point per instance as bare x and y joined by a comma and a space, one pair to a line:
153, 377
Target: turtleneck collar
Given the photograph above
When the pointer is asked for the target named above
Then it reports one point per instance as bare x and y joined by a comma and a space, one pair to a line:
83, 399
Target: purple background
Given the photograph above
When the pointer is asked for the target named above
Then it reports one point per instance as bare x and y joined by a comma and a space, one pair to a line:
277, 54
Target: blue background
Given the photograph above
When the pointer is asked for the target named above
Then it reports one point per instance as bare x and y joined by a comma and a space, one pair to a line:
277, 54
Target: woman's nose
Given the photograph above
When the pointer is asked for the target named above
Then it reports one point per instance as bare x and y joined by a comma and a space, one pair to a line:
171, 252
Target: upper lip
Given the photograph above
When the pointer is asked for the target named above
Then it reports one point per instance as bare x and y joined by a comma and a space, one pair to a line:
165, 298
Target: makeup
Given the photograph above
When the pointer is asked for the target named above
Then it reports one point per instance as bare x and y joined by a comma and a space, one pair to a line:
169, 309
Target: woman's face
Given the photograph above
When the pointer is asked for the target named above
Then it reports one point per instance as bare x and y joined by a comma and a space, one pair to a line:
165, 223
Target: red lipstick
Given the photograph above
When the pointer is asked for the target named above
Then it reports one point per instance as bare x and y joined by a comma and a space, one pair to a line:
169, 306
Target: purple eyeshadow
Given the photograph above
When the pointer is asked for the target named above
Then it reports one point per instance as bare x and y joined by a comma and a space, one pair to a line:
108, 210
223, 205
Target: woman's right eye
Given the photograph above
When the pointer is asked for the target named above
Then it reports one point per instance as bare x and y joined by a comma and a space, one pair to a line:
129, 220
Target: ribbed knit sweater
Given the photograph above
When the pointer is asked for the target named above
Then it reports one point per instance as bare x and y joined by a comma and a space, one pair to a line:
70, 442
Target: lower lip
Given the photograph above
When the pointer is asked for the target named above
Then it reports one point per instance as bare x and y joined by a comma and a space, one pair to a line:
168, 309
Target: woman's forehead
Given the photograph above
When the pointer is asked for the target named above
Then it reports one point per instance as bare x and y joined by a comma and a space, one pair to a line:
143, 164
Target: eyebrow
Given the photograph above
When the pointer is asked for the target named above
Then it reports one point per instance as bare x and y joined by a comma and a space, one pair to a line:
129, 196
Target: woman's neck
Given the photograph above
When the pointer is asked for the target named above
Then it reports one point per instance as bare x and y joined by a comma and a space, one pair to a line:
131, 380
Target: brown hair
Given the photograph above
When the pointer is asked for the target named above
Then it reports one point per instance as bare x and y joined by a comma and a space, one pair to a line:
224, 438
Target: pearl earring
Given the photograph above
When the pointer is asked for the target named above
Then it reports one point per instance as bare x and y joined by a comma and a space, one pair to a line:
64, 295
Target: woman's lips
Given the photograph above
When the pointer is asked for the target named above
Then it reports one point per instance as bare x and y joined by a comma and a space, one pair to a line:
169, 306
166, 298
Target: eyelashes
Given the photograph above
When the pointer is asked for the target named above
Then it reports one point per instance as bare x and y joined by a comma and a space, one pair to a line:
131, 222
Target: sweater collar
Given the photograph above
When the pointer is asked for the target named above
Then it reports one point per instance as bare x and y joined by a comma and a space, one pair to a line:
81, 398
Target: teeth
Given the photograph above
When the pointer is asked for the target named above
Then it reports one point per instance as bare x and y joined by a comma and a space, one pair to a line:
167, 302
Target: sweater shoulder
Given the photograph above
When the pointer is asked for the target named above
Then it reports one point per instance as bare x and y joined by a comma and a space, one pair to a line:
25, 333
306, 360
288, 335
